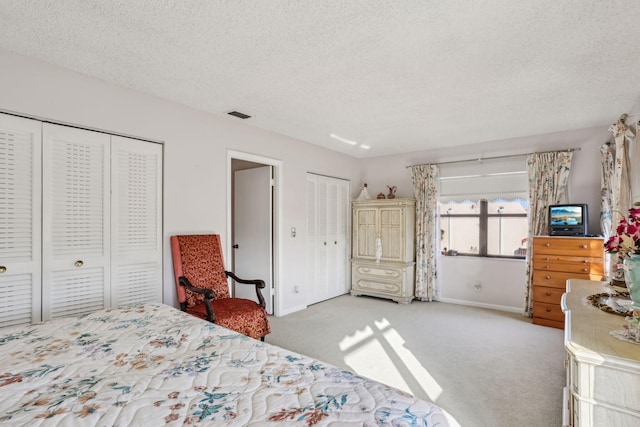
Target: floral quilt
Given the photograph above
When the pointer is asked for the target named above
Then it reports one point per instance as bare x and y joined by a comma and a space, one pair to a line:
152, 365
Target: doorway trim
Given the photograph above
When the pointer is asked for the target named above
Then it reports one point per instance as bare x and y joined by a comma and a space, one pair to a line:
277, 215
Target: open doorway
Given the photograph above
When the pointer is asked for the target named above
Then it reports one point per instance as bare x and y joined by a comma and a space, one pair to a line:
253, 217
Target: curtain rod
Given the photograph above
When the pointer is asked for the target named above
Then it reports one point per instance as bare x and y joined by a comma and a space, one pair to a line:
480, 159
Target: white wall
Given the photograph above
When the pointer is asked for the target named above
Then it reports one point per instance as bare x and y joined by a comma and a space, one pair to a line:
483, 282
195, 154
503, 281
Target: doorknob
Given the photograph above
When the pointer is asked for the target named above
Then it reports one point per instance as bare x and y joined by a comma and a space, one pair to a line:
235, 246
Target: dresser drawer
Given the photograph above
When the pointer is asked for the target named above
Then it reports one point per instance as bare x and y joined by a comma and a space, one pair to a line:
548, 311
571, 264
574, 246
556, 279
547, 295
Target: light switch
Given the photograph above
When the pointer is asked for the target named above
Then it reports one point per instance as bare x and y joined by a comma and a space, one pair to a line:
293, 232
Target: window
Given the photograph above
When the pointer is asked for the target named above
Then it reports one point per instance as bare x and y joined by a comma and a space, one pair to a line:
496, 228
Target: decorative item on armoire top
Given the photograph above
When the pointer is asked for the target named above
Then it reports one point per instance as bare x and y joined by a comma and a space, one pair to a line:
392, 192
380, 196
364, 193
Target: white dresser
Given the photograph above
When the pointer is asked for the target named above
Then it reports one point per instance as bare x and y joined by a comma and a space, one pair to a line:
383, 250
603, 372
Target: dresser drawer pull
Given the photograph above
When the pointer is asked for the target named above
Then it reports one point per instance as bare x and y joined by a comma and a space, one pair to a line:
586, 270
585, 261
547, 277
548, 293
547, 266
548, 309
547, 244
584, 246
545, 259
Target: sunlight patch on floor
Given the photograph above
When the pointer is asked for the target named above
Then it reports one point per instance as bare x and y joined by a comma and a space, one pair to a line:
369, 359
428, 384
359, 336
376, 353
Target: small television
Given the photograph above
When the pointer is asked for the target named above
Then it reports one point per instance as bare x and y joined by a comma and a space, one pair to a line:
569, 220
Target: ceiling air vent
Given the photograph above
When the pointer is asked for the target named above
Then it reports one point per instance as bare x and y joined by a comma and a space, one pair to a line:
238, 114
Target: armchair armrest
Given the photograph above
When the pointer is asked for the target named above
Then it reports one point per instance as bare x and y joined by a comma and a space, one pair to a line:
208, 294
259, 284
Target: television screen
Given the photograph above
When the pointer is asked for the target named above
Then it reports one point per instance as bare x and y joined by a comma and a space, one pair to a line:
566, 215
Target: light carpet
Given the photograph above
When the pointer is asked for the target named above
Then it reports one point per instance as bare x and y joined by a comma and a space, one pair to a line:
485, 367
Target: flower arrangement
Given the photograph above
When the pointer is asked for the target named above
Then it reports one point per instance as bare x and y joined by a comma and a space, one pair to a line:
626, 240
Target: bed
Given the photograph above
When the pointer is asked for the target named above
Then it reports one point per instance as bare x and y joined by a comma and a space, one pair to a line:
152, 365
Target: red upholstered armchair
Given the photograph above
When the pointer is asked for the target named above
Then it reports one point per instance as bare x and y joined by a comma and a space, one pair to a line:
203, 290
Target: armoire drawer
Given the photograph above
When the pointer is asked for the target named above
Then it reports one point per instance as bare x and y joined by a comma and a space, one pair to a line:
378, 286
379, 272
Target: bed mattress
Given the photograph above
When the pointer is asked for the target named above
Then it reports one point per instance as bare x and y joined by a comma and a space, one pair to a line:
152, 365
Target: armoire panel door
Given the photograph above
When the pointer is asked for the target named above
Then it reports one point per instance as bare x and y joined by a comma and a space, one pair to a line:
391, 229
20, 220
365, 233
136, 221
76, 221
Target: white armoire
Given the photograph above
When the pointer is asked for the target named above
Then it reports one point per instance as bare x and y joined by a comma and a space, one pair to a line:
383, 249
327, 238
80, 220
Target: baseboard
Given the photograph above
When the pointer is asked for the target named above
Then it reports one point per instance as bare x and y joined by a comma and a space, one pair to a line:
482, 305
291, 310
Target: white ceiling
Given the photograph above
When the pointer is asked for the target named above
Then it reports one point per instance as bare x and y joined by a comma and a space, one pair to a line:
399, 76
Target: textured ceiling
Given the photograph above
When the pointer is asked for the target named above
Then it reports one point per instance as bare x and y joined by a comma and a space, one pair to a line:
399, 76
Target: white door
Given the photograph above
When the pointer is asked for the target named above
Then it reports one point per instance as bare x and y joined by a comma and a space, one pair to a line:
327, 244
340, 284
20, 216
75, 221
136, 226
252, 229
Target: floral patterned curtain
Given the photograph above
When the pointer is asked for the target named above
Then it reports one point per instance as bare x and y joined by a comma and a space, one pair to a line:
548, 177
616, 186
425, 189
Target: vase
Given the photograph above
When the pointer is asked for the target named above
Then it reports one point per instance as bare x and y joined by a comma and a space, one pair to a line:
632, 277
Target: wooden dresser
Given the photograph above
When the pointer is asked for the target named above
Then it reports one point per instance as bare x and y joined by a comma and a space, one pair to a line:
603, 372
556, 259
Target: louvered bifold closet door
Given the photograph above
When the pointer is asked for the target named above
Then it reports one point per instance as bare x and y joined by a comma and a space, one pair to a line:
328, 210
75, 226
20, 210
136, 213
340, 286
312, 239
